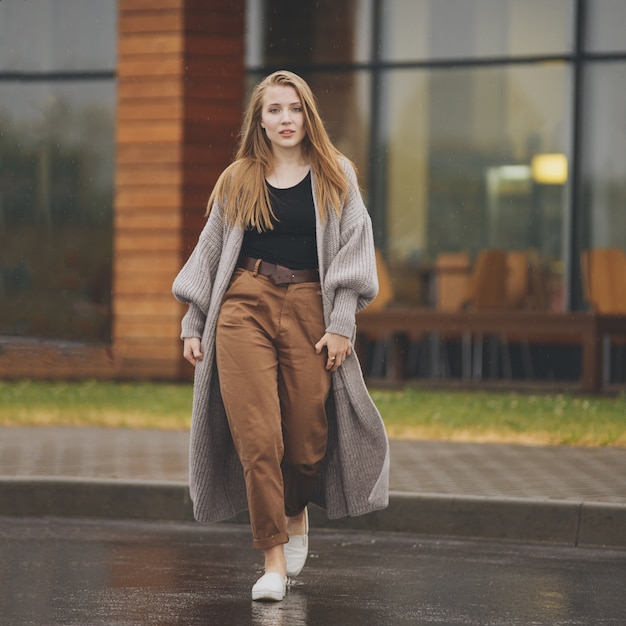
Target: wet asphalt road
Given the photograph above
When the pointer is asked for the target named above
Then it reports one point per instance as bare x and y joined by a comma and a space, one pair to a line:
90, 572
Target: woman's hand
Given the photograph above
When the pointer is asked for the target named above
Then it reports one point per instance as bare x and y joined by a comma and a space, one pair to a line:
191, 350
338, 348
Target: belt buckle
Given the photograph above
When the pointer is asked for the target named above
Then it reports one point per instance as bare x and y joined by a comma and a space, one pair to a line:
282, 275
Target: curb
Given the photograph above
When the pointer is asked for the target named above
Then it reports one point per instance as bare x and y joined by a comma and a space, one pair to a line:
569, 522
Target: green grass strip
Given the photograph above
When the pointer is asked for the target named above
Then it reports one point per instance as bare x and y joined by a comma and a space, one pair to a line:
536, 418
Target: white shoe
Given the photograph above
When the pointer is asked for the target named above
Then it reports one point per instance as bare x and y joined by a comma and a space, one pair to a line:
270, 587
297, 549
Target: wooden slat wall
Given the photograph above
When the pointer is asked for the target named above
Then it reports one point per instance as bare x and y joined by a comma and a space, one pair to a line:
180, 95
50, 360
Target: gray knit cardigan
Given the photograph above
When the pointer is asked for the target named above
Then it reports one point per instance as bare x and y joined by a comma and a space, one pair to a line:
355, 476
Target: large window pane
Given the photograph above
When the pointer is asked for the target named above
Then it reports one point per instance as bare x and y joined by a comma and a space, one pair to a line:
56, 169
56, 173
604, 155
310, 32
605, 26
57, 35
440, 29
461, 144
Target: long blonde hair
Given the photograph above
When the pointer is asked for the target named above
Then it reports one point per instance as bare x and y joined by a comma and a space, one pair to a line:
241, 188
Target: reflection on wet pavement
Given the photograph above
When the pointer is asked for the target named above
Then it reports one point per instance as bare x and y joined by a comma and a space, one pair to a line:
90, 572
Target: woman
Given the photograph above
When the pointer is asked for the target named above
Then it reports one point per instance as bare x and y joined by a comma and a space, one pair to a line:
281, 415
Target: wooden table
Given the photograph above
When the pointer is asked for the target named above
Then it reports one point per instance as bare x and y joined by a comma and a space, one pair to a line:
587, 329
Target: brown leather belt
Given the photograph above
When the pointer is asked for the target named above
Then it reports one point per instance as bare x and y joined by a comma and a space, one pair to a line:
280, 275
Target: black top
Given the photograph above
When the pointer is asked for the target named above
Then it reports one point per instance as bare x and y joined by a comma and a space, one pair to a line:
292, 243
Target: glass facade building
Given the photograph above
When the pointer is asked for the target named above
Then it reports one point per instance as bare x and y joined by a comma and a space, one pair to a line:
450, 108
474, 124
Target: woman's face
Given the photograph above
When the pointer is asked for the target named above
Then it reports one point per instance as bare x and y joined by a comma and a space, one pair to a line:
282, 117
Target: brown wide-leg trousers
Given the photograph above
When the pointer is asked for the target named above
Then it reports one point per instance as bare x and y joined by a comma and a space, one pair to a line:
274, 388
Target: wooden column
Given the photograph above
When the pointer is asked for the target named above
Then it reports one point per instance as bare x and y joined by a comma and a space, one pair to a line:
180, 99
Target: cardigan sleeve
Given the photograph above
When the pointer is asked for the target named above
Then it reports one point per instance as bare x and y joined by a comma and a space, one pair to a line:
351, 274
194, 282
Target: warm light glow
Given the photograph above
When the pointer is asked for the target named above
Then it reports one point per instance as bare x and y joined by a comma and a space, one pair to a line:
549, 169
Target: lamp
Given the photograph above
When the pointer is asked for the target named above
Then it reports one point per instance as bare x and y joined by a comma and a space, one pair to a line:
549, 169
